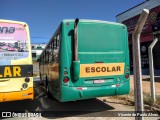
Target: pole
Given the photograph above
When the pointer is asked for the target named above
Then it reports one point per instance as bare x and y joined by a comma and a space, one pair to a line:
151, 69
137, 63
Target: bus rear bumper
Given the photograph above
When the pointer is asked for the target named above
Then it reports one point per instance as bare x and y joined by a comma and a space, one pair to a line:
78, 93
20, 95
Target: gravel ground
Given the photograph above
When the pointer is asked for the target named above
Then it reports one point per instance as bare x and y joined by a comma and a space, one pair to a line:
110, 102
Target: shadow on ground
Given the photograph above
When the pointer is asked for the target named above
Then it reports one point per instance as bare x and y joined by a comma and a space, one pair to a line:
51, 108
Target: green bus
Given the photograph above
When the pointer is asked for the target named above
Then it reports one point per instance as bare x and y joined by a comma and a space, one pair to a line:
86, 59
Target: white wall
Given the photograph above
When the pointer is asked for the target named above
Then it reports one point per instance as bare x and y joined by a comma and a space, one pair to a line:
38, 52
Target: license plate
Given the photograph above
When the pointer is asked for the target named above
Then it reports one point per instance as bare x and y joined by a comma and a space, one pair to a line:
98, 81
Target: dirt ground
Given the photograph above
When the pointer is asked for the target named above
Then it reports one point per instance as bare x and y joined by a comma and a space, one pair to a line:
146, 84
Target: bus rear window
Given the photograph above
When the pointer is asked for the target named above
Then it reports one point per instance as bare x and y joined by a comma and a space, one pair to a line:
101, 38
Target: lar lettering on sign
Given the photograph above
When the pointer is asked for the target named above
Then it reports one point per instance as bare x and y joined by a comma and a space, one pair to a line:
15, 71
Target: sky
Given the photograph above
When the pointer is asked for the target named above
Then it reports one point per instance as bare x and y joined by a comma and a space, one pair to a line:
44, 16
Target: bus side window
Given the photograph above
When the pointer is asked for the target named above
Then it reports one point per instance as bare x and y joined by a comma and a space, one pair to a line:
54, 44
50, 53
46, 55
43, 58
57, 42
50, 48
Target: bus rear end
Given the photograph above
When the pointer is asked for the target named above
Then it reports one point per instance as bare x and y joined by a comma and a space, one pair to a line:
16, 70
102, 67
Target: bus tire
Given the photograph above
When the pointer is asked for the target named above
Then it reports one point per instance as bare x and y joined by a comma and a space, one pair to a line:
47, 89
41, 82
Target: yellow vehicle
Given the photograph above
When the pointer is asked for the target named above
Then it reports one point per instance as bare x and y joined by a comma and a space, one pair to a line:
16, 69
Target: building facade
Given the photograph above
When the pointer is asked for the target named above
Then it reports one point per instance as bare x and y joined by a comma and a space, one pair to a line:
37, 50
150, 31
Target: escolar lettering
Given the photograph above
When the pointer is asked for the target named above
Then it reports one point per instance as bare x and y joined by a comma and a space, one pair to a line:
103, 69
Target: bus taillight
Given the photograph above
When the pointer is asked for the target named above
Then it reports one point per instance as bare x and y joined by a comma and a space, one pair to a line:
27, 80
127, 69
66, 79
127, 76
65, 68
30, 93
65, 73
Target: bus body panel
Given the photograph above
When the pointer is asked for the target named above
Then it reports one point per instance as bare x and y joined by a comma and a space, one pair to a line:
18, 95
104, 61
105, 54
16, 76
79, 93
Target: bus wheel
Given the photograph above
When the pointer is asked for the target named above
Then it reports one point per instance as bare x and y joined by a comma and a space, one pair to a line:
41, 82
47, 89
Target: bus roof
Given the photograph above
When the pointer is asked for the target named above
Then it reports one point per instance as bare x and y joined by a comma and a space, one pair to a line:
95, 21
81, 20
13, 21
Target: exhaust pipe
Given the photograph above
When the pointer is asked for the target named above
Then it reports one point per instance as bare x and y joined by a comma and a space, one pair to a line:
76, 62
76, 39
